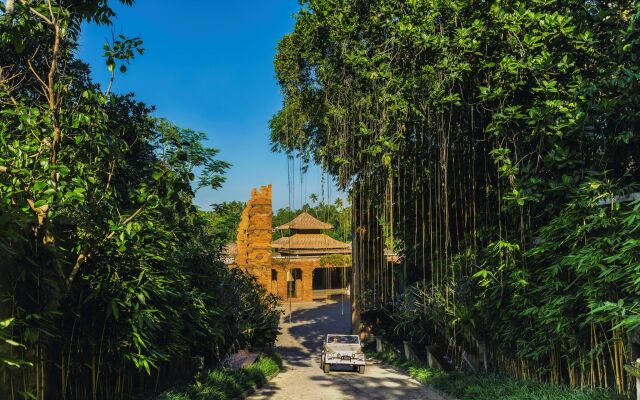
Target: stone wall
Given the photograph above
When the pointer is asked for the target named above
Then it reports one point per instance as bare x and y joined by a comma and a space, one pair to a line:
254, 236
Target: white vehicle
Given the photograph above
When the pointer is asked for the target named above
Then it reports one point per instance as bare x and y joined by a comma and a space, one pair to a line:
342, 350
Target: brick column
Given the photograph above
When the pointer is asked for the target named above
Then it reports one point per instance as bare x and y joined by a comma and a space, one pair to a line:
307, 284
254, 236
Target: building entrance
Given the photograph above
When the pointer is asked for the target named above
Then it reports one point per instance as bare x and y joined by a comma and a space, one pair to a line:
330, 281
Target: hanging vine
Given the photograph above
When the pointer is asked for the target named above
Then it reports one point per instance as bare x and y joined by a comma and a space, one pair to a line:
481, 140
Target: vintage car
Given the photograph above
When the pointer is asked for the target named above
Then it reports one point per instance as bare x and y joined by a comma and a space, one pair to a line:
342, 350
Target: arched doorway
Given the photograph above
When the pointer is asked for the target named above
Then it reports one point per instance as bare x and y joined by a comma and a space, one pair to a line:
330, 281
294, 283
274, 281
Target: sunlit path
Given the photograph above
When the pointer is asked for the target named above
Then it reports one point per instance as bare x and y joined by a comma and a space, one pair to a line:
300, 343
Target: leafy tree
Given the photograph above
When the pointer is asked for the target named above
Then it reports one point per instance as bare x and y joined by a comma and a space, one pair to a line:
224, 221
314, 198
110, 275
493, 144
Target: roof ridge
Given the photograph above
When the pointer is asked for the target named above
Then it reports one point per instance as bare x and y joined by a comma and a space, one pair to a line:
309, 241
305, 221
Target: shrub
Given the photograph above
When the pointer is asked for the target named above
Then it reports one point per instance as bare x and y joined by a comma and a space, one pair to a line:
225, 384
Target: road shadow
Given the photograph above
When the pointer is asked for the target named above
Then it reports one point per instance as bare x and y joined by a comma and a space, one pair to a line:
294, 356
300, 346
309, 325
266, 391
368, 387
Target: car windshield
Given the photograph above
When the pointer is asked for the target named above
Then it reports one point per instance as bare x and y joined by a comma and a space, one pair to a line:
343, 339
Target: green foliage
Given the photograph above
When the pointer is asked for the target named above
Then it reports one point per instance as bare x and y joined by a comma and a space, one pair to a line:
488, 386
419, 372
335, 260
420, 315
227, 384
492, 143
108, 269
6, 360
223, 221
122, 49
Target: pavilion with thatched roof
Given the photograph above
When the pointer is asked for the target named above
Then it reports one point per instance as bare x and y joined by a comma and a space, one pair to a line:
307, 238
316, 264
303, 223
305, 265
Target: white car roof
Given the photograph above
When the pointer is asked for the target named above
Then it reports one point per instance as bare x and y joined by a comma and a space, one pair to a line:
332, 335
339, 334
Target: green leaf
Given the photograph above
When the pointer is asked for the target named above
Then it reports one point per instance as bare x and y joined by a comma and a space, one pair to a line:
13, 343
63, 170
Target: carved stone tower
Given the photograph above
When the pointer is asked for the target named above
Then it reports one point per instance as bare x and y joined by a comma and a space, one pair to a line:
254, 235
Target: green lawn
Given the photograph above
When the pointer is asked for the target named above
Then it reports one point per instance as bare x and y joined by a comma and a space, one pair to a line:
227, 384
483, 386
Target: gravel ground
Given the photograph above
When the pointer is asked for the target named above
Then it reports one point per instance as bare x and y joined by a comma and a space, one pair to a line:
300, 343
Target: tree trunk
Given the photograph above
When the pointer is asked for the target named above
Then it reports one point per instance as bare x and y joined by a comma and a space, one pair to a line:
355, 271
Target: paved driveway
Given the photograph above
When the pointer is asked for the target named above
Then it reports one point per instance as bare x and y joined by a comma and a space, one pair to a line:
300, 343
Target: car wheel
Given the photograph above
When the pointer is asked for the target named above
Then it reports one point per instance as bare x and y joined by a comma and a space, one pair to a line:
361, 369
326, 368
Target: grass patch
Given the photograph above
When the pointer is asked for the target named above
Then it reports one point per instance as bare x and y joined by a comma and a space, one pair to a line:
483, 386
228, 384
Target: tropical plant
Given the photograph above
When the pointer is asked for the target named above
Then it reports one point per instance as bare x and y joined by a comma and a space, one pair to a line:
223, 221
495, 146
110, 275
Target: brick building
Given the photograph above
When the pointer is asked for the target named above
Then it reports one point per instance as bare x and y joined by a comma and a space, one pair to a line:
308, 258
305, 265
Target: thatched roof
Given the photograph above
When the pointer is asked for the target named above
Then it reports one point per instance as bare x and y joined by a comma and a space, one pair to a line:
309, 241
305, 222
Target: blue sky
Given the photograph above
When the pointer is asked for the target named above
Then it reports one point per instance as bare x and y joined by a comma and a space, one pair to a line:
208, 65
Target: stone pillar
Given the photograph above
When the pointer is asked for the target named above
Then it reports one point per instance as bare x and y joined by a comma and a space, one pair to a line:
273, 288
254, 236
242, 240
282, 283
307, 284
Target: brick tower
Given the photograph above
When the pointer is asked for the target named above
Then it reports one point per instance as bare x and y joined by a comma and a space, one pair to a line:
254, 236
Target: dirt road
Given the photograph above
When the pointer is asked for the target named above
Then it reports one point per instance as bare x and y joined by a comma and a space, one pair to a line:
300, 343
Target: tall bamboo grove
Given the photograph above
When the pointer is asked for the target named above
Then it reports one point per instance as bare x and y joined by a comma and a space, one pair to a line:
495, 146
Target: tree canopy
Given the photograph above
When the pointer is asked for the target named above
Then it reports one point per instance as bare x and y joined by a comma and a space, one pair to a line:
110, 277
492, 144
